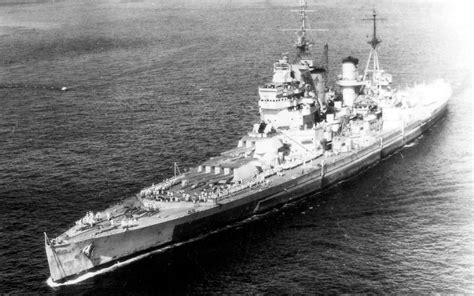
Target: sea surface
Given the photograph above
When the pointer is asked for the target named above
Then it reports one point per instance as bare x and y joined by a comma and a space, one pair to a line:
156, 82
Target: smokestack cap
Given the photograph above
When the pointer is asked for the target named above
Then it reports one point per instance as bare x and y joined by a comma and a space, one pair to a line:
350, 59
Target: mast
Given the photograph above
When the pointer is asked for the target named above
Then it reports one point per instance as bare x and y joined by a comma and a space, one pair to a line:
374, 43
325, 60
302, 43
176, 169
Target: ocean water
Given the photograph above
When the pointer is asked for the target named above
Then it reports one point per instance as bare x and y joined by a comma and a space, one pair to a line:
152, 83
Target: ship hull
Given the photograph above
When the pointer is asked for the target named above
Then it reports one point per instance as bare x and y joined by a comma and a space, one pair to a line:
67, 262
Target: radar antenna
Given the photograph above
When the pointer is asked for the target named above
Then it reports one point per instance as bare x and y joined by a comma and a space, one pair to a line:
374, 43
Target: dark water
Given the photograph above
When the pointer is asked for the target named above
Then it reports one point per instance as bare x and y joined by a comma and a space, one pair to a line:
152, 83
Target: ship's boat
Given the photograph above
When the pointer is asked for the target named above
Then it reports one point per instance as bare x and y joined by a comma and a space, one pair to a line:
309, 137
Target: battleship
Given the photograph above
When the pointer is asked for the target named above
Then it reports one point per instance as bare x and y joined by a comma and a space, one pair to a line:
309, 137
